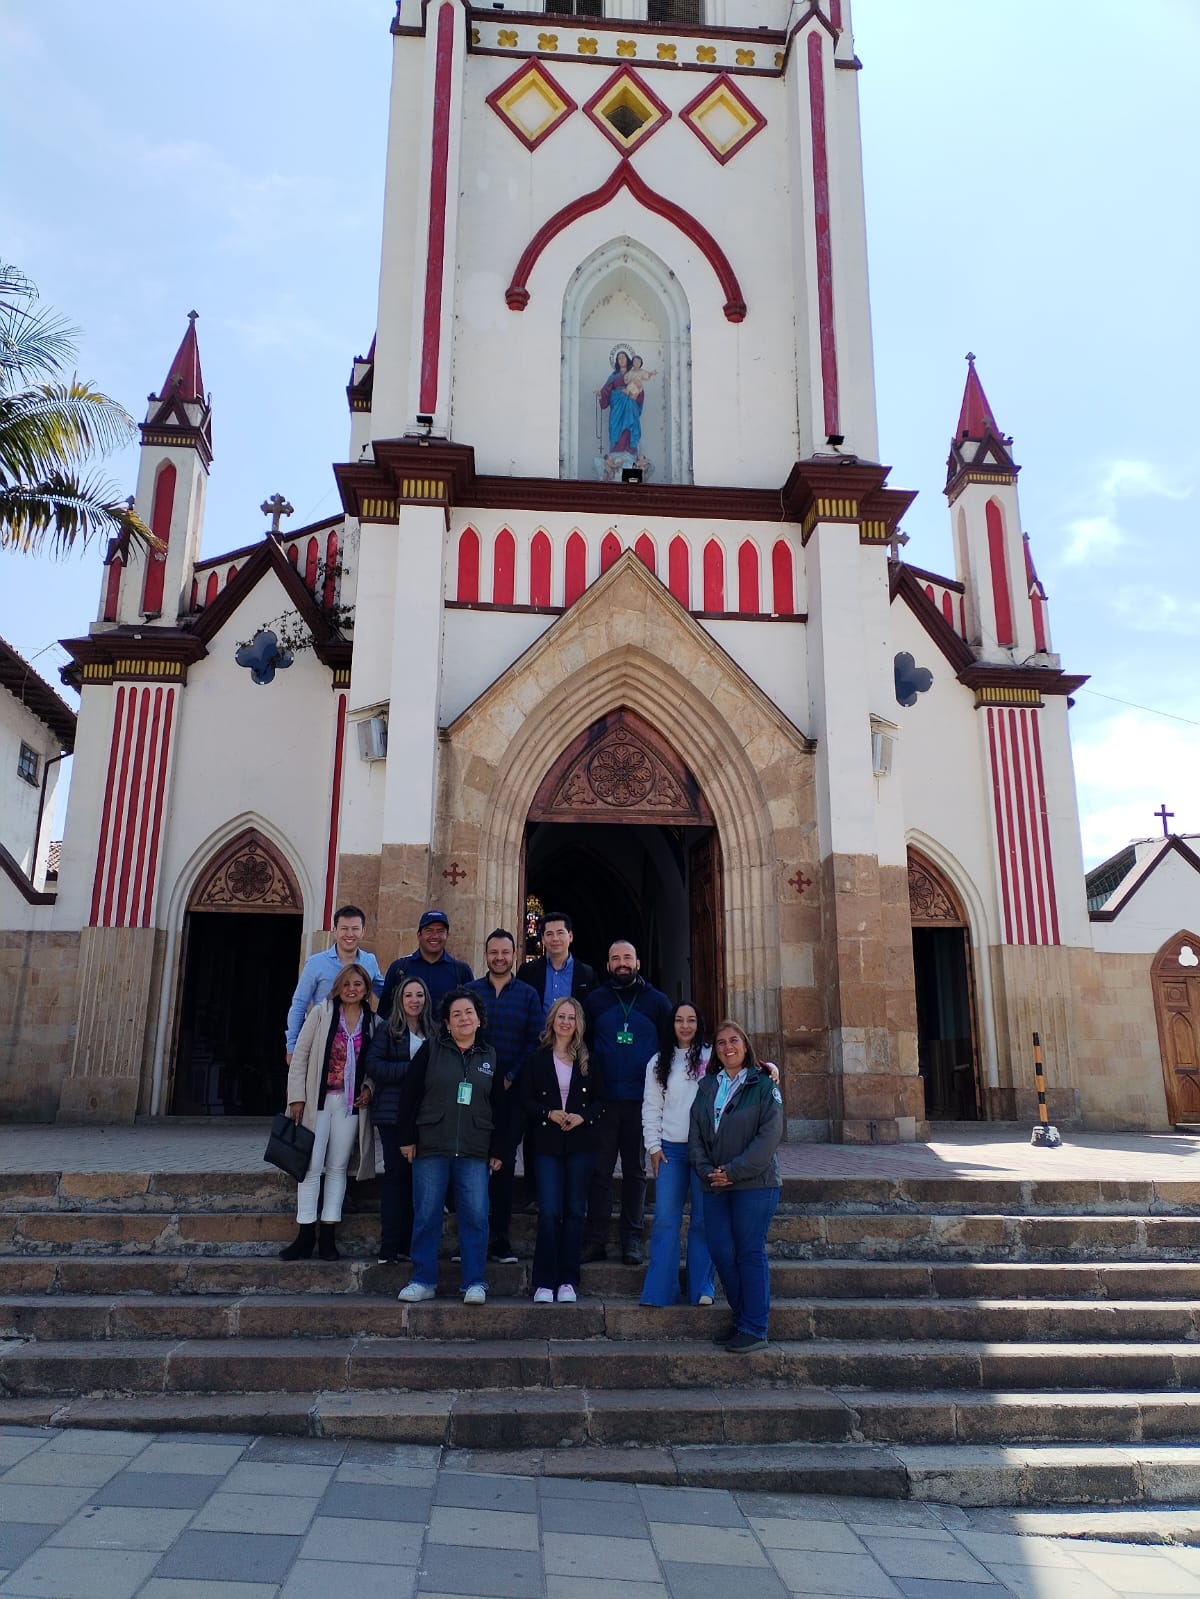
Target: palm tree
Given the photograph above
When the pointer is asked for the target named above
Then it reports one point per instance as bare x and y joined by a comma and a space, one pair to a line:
49, 428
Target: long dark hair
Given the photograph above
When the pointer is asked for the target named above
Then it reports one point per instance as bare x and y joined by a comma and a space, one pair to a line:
668, 1044
714, 1065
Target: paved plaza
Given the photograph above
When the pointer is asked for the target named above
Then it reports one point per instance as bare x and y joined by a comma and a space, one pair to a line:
114, 1515
982, 1150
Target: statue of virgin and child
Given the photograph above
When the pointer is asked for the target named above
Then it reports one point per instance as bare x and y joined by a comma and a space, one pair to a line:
623, 397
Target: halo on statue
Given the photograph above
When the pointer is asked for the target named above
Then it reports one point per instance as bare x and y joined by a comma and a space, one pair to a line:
619, 349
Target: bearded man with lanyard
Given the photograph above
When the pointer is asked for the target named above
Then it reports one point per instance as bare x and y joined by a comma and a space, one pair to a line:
625, 1017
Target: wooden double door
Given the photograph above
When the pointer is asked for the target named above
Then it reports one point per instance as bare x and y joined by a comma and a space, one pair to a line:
1176, 979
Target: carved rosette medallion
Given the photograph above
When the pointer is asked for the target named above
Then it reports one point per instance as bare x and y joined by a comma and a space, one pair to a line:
622, 773
247, 875
928, 900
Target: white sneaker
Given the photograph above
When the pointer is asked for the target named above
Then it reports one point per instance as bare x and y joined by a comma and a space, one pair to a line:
476, 1294
415, 1292
566, 1294
543, 1296
705, 1299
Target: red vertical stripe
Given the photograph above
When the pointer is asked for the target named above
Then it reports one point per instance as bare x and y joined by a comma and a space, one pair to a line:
331, 555
1034, 839
293, 554
112, 591
540, 555
714, 576
999, 566
435, 257
311, 557
117, 839
160, 526
948, 606
835, 14
783, 584
210, 588
335, 812
468, 566
134, 804
962, 615
140, 815
999, 788
1039, 622
824, 237
679, 573
160, 789
576, 569
106, 814
1020, 831
610, 551
748, 601
504, 569
1045, 827
644, 549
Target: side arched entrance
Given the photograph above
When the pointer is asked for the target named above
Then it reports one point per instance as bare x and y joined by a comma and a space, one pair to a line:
1176, 979
947, 1035
239, 956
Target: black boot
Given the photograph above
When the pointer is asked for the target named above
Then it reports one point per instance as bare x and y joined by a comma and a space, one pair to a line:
326, 1247
301, 1247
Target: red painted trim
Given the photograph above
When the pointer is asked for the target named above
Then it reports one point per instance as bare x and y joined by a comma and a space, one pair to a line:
679, 571
504, 568
629, 75
134, 814
335, 812
835, 14
1045, 826
140, 820
231, 574
106, 814
540, 569
160, 526
160, 790
714, 576
1024, 823
211, 589
576, 569
962, 615
747, 577
645, 552
1039, 623
948, 607
1033, 840
929, 590
625, 177
311, 558
468, 566
531, 68
998, 810
112, 592
610, 551
293, 555
329, 588
823, 234
1001, 598
439, 161
758, 121
783, 582
118, 824
1013, 834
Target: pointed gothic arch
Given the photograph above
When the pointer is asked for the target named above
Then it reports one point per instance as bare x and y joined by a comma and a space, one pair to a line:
627, 269
949, 1049
1175, 976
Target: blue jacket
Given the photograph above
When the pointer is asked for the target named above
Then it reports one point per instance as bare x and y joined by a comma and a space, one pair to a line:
623, 1066
441, 977
514, 1022
316, 979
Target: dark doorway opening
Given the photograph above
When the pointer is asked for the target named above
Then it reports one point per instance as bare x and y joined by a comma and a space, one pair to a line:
945, 1041
239, 974
656, 885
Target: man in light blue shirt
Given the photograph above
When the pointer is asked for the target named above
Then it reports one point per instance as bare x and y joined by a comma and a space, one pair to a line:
319, 971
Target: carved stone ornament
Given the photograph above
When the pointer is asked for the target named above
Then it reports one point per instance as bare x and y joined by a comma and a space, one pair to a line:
622, 768
928, 899
248, 875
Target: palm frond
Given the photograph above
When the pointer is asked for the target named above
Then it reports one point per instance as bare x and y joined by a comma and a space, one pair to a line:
67, 512
14, 285
55, 425
33, 345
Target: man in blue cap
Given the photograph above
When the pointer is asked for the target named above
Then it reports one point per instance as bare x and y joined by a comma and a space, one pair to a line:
430, 961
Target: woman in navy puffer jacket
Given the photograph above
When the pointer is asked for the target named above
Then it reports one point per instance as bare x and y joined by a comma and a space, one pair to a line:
388, 1058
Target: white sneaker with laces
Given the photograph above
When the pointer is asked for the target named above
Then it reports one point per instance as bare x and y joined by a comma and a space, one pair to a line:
476, 1294
543, 1296
566, 1294
415, 1292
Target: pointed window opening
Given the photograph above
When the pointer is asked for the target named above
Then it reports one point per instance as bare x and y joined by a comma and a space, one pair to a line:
468, 567
783, 584
1001, 596
331, 576
610, 551
160, 525
714, 576
539, 569
645, 551
504, 569
679, 575
312, 556
211, 588
576, 569
748, 602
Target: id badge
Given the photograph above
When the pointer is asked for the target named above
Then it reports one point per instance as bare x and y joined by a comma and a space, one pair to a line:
624, 1036
465, 1090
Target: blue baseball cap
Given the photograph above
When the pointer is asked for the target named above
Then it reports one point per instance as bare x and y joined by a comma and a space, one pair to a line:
434, 916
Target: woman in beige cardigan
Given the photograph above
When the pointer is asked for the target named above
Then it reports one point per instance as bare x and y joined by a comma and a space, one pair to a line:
325, 1089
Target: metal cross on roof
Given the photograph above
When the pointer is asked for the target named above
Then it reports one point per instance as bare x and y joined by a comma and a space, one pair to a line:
1164, 815
277, 508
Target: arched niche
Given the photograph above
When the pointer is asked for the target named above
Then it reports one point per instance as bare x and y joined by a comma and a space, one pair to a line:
625, 297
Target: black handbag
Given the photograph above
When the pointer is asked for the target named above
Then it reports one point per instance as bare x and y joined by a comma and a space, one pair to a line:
290, 1146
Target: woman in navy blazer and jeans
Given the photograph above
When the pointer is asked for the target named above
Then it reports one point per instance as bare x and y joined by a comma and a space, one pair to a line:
563, 1099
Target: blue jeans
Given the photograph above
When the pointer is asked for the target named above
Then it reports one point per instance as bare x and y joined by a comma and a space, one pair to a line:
736, 1222
432, 1176
562, 1196
677, 1180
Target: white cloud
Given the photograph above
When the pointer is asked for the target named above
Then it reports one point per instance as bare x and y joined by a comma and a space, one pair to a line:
1100, 535
1126, 766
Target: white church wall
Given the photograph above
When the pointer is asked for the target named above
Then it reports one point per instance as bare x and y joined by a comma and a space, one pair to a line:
1062, 808
81, 830
389, 401
1167, 902
773, 654
19, 795
852, 303
478, 646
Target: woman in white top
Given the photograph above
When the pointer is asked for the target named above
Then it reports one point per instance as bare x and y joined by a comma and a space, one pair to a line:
672, 1077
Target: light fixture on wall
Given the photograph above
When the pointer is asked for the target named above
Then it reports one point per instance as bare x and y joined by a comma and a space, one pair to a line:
631, 474
883, 743
425, 422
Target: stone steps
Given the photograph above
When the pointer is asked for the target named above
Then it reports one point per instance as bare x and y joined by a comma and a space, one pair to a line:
825, 1279
877, 1236
77, 1317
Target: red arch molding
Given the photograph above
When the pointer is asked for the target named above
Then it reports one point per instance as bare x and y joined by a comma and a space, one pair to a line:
624, 177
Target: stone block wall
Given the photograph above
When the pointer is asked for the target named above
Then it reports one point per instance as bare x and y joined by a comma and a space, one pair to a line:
1118, 1057
39, 1003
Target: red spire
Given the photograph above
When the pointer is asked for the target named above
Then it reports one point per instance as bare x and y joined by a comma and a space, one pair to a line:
185, 378
975, 420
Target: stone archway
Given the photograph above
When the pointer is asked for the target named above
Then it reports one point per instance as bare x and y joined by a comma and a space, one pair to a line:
1175, 975
943, 968
627, 643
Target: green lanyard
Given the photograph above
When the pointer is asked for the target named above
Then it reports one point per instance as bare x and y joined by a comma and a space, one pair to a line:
625, 1036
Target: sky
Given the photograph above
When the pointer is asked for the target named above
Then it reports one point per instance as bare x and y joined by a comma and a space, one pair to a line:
1025, 200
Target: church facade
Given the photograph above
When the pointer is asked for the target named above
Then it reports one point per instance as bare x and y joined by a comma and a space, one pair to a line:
617, 618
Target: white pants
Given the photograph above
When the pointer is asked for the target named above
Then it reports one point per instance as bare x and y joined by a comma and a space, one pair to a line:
337, 1136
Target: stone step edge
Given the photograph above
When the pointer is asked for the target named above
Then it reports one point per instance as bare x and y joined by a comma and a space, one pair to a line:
954, 1474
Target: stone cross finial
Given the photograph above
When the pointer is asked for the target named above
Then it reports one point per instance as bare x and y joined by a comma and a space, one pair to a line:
1164, 815
896, 542
276, 508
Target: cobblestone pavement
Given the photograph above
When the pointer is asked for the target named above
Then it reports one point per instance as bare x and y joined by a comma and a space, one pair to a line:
114, 1515
953, 1151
